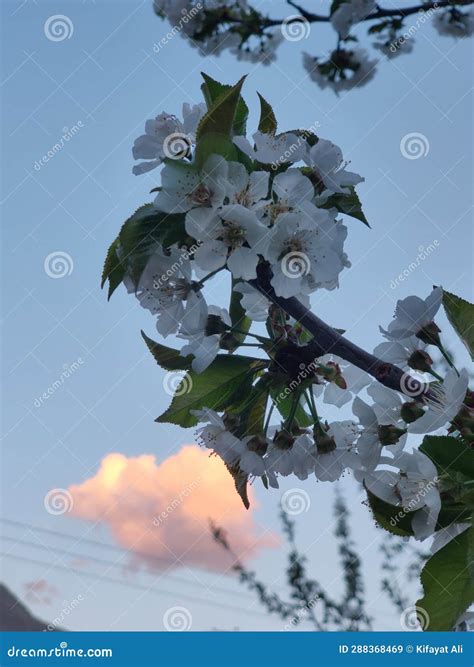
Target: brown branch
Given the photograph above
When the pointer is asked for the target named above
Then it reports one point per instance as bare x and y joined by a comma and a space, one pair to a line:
328, 341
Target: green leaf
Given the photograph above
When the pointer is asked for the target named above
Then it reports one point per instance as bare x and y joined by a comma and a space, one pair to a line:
213, 90
268, 122
252, 409
390, 517
113, 271
349, 204
283, 401
213, 143
139, 236
461, 316
166, 357
238, 315
222, 384
221, 116
449, 454
447, 584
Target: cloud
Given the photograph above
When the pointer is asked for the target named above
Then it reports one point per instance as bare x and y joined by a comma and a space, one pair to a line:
161, 512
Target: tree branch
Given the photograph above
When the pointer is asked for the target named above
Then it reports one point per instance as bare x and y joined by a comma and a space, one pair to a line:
378, 14
328, 341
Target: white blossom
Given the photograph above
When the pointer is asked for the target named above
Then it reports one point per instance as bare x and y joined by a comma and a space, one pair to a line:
166, 289
167, 136
214, 435
331, 462
202, 345
454, 23
273, 149
414, 487
361, 71
349, 13
326, 160
306, 253
413, 314
443, 402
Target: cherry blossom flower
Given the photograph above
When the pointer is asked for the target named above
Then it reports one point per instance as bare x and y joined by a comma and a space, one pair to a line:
414, 487
184, 188
349, 13
337, 451
305, 253
347, 69
234, 236
443, 403
273, 149
325, 158
167, 137
355, 380
413, 314
454, 23
166, 289
204, 345
214, 435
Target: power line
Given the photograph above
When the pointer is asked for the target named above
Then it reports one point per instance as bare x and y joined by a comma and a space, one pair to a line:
103, 561
116, 549
147, 589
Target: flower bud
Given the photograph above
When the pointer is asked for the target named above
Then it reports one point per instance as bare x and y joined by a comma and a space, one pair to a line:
411, 411
324, 442
257, 444
389, 434
420, 361
215, 325
283, 439
429, 334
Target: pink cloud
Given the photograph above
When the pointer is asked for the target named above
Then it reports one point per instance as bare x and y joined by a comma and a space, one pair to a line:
161, 512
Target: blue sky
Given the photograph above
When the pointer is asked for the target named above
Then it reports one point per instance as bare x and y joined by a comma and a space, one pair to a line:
107, 80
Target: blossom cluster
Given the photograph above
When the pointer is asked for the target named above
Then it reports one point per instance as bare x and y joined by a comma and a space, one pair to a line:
214, 26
